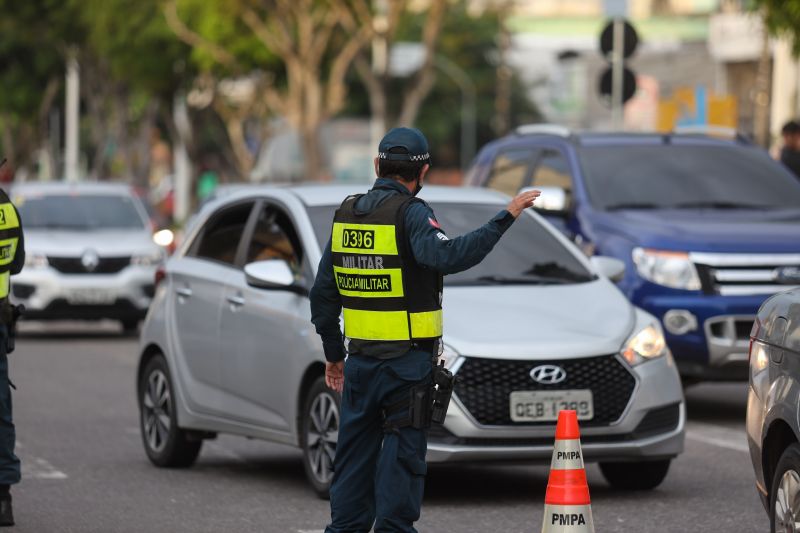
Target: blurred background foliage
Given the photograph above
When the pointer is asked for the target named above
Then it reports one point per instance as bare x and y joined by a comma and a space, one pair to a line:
243, 66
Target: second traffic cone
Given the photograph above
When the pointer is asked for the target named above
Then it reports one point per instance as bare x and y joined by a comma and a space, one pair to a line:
567, 508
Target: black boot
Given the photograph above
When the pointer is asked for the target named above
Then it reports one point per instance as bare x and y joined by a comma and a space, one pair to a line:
6, 513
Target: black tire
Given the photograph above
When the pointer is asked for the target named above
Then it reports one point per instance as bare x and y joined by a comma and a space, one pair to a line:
129, 327
166, 446
318, 451
642, 475
789, 462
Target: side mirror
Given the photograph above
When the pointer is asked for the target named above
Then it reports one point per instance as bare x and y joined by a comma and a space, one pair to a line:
272, 274
610, 267
553, 200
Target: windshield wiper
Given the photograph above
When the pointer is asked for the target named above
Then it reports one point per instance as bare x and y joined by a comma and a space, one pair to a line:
718, 205
554, 270
496, 279
633, 205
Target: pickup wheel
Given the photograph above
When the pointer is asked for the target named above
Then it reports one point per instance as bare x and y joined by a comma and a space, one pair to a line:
641, 475
320, 431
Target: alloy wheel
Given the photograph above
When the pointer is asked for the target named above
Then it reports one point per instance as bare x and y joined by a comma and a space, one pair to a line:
157, 402
787, 503
321, 435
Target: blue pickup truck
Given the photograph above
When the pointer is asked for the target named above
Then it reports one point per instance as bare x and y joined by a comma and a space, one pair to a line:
708, 228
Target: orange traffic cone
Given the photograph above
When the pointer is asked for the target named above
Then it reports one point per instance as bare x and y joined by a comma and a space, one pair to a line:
567, 508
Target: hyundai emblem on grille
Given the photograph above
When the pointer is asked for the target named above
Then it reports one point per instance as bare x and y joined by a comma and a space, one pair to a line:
548, 374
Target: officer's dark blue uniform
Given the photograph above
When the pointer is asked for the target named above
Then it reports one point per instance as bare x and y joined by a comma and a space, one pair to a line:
379, 477
12, 259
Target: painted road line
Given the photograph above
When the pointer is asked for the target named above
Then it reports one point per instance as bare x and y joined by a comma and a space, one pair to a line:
719, 436
37, 468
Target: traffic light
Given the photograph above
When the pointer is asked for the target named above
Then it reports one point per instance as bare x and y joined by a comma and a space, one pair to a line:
618, 42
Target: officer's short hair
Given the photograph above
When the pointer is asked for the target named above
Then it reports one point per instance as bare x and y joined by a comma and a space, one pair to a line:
405, 170
790, 128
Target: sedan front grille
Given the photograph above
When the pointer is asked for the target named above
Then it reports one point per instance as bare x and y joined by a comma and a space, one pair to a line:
74, 265
484, 387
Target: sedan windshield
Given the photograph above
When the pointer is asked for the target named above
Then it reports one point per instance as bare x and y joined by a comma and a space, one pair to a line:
685, 176
526, 254
79, 212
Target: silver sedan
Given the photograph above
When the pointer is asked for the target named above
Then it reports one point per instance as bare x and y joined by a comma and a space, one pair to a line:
228, 345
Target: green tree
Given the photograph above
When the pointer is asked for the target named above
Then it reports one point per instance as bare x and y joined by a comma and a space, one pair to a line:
782, 18
36, 36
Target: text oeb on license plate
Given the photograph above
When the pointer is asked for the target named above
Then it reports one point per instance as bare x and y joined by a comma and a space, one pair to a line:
543, 406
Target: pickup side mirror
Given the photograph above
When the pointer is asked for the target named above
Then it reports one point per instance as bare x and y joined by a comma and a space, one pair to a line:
553, 200
274, 274
610, 267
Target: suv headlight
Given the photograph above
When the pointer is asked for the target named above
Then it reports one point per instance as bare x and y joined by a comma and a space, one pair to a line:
645, 345
449, 356
35, 261
670, 269
147, 259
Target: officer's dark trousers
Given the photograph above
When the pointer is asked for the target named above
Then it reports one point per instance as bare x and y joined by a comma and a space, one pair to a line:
9, 463
378, 477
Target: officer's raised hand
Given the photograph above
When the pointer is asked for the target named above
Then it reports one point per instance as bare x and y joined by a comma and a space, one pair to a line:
334, 375
523, 201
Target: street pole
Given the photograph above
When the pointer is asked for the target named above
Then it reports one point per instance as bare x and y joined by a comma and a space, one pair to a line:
380, 64
468, 107
71, 139
616, 73
182, 179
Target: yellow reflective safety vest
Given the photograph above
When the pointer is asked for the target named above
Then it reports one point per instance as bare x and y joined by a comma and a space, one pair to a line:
10, 232
386, 295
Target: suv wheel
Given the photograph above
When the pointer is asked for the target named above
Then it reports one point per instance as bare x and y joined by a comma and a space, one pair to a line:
165, 443
320, 430
784, 495
642, 475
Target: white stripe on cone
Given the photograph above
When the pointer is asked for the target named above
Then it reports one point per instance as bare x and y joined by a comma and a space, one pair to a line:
567, 455
567, 519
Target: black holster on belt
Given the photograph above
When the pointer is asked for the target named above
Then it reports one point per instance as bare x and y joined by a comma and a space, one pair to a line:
443, 383
14, 313
425, 403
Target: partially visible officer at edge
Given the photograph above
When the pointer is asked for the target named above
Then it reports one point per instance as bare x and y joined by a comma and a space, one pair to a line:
383, 270
12, 259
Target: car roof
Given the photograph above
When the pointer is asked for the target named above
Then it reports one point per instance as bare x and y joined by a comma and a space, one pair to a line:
60, 188
314, 194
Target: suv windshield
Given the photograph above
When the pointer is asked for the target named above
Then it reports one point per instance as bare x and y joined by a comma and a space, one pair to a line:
686, 176
527, 253
80, 212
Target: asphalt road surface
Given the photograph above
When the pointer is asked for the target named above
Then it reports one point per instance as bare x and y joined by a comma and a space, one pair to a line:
84, 468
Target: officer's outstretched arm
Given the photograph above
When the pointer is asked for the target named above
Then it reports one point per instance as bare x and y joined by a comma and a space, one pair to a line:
433, 249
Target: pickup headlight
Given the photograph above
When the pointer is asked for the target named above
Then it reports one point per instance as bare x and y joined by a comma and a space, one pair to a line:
147, 259
449, 356
35, 261
670, 269
645, 345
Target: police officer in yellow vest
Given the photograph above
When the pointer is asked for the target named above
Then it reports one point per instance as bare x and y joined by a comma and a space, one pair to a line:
12, 258
382, 270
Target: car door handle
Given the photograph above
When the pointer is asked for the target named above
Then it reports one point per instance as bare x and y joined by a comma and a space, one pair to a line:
184, 292
236, 301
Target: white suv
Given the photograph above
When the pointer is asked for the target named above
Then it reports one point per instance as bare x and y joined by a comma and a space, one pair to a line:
89, 253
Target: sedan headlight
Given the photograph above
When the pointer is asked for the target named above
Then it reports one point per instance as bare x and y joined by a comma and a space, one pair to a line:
147, 259
449, 356
645, 345
670, 269
35, 261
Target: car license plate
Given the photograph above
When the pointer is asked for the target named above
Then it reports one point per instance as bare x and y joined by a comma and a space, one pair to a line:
543, 406
90, 297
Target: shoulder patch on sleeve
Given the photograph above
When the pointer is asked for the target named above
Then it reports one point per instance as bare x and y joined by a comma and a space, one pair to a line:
432, 221
441, 236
